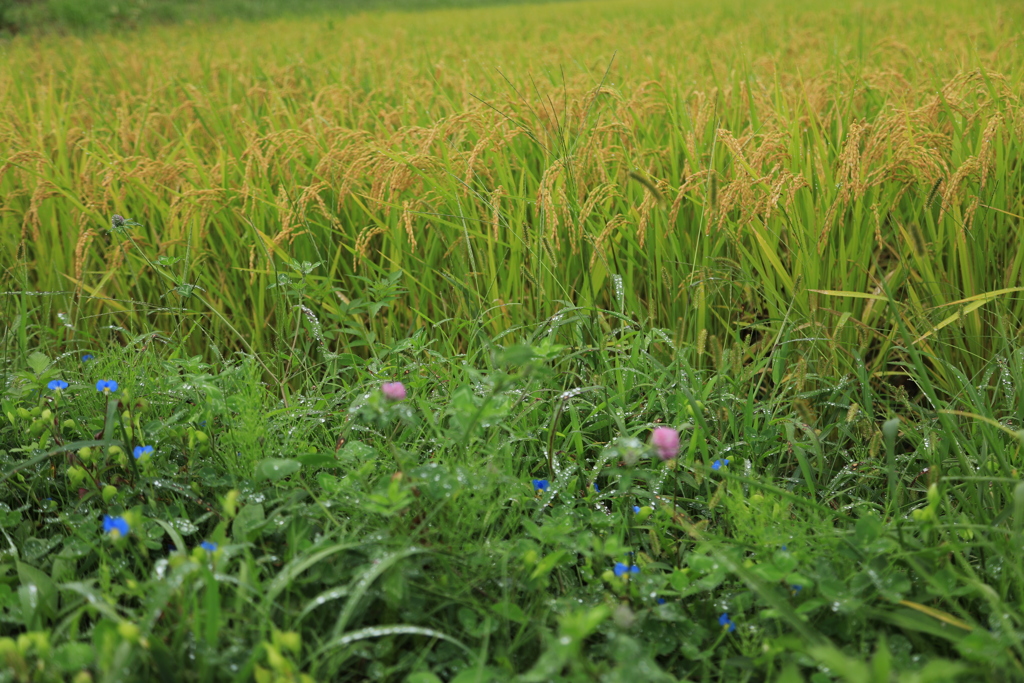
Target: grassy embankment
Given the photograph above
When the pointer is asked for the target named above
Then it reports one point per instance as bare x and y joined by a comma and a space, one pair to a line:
89, 16
787, 232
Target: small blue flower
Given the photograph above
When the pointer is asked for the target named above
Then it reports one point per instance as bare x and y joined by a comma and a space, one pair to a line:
661, 601
141, 451
719, 464
596, 490
540, 484
208, 546
796, 588
106, 386
118, 524
57, 385
623, 568
87, 357
785, 549
636, 509
724, 621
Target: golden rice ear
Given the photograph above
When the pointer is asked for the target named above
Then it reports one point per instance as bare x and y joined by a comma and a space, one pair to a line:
85, 238
362, 244
495, 200
406, 220
284, 209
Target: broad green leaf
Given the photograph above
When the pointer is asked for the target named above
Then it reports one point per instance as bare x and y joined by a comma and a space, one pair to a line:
38, 362
422, 677
37, 590
248, 519
510, 611
275, 469
319, 460
72, 657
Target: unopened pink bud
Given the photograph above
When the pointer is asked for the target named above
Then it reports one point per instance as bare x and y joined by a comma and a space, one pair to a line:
666, 441
394, 391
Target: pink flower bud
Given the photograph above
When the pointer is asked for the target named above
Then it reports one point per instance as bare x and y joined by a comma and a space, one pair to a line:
393, 391
666, 441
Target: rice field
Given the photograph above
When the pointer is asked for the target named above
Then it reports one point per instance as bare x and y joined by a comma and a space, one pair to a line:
789, 230
783, 169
